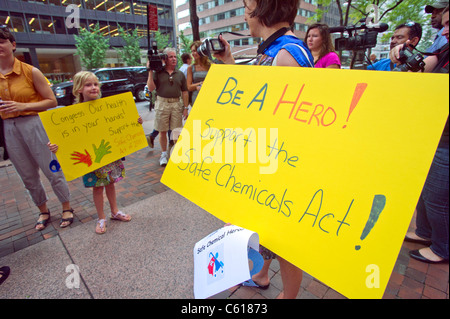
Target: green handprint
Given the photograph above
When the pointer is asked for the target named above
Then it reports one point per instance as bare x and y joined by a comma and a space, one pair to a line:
102, 150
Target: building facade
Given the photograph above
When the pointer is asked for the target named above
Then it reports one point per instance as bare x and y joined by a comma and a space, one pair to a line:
45, 29
216, 16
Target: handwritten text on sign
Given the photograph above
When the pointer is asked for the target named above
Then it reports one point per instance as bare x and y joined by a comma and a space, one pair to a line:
325, 165
93, 134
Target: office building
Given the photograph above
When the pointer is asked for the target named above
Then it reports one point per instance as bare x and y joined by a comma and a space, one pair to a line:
45, 29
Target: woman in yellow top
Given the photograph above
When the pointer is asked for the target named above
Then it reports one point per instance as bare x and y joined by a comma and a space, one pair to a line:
24, 92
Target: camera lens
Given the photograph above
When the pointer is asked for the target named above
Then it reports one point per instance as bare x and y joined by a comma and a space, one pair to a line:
202, 50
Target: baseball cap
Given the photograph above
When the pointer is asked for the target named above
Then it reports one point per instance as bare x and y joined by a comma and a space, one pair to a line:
441, 4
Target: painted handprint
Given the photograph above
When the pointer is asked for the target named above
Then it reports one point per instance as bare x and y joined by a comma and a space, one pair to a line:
102, 150
82, 158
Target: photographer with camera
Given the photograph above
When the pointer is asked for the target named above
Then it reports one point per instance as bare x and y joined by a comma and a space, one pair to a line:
411, 31
170, 85
433, 205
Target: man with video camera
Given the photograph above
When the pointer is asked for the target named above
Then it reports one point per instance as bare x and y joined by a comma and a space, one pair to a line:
170, 85
411, 31
433, 205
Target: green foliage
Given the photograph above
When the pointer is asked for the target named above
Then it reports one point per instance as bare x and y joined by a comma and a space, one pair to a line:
185, 43
162, 40
91, 47
131, 51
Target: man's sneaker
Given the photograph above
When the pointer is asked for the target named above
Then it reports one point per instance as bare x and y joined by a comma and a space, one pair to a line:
150, 140
163, 160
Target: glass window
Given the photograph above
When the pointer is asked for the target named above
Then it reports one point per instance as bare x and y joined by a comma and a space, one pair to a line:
103, 75
113, 30
123, 7
5, 20
141, 30
47, 25
58, 25
89, 4
183, 14
100, 5
17, 23
164, 13
139, 9
104, 27
33, 23
120, 74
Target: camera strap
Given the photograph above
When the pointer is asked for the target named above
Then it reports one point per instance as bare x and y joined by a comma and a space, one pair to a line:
264, 45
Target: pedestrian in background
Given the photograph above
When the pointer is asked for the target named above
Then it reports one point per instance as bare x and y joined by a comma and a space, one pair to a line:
187, 61
172, 100
319, 42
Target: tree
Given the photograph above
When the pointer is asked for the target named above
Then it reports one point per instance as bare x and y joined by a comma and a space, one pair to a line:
194, 19
162, 40
392, 12
92, 47
185, 43
131, 51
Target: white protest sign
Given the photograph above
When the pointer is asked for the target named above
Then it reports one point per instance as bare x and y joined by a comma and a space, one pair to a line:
221, 260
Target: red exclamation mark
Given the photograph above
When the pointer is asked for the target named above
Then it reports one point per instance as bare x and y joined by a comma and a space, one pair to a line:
359, 91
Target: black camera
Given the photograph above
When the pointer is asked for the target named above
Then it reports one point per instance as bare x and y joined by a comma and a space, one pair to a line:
210, 45
410, 61
358, 42
156, 59
355, 42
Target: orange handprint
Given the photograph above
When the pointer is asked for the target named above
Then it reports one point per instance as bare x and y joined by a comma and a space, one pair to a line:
82, 158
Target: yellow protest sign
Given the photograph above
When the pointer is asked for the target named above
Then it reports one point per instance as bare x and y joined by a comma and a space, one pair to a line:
325, 165
92, 134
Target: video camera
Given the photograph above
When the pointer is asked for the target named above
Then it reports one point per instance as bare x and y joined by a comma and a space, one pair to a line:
156, 59
210, 45
410, 61
355, 42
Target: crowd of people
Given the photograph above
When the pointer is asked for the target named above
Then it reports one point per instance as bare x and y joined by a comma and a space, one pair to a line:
27, 145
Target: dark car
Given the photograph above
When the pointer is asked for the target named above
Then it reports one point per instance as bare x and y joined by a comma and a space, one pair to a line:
113, 81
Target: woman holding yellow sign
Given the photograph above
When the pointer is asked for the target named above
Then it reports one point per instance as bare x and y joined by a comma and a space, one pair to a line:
271, 20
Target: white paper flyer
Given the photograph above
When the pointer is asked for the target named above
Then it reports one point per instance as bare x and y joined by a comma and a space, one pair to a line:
221, 260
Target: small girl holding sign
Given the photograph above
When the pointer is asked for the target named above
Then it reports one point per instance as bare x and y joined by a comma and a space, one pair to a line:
86, 87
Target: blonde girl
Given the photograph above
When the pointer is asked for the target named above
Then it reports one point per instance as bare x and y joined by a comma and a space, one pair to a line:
86, 87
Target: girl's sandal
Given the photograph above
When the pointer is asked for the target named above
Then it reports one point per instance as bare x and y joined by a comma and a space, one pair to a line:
42, 222
66, 220
120, 216
101, 226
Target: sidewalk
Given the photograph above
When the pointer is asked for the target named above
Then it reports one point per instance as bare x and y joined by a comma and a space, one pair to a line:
149, 257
